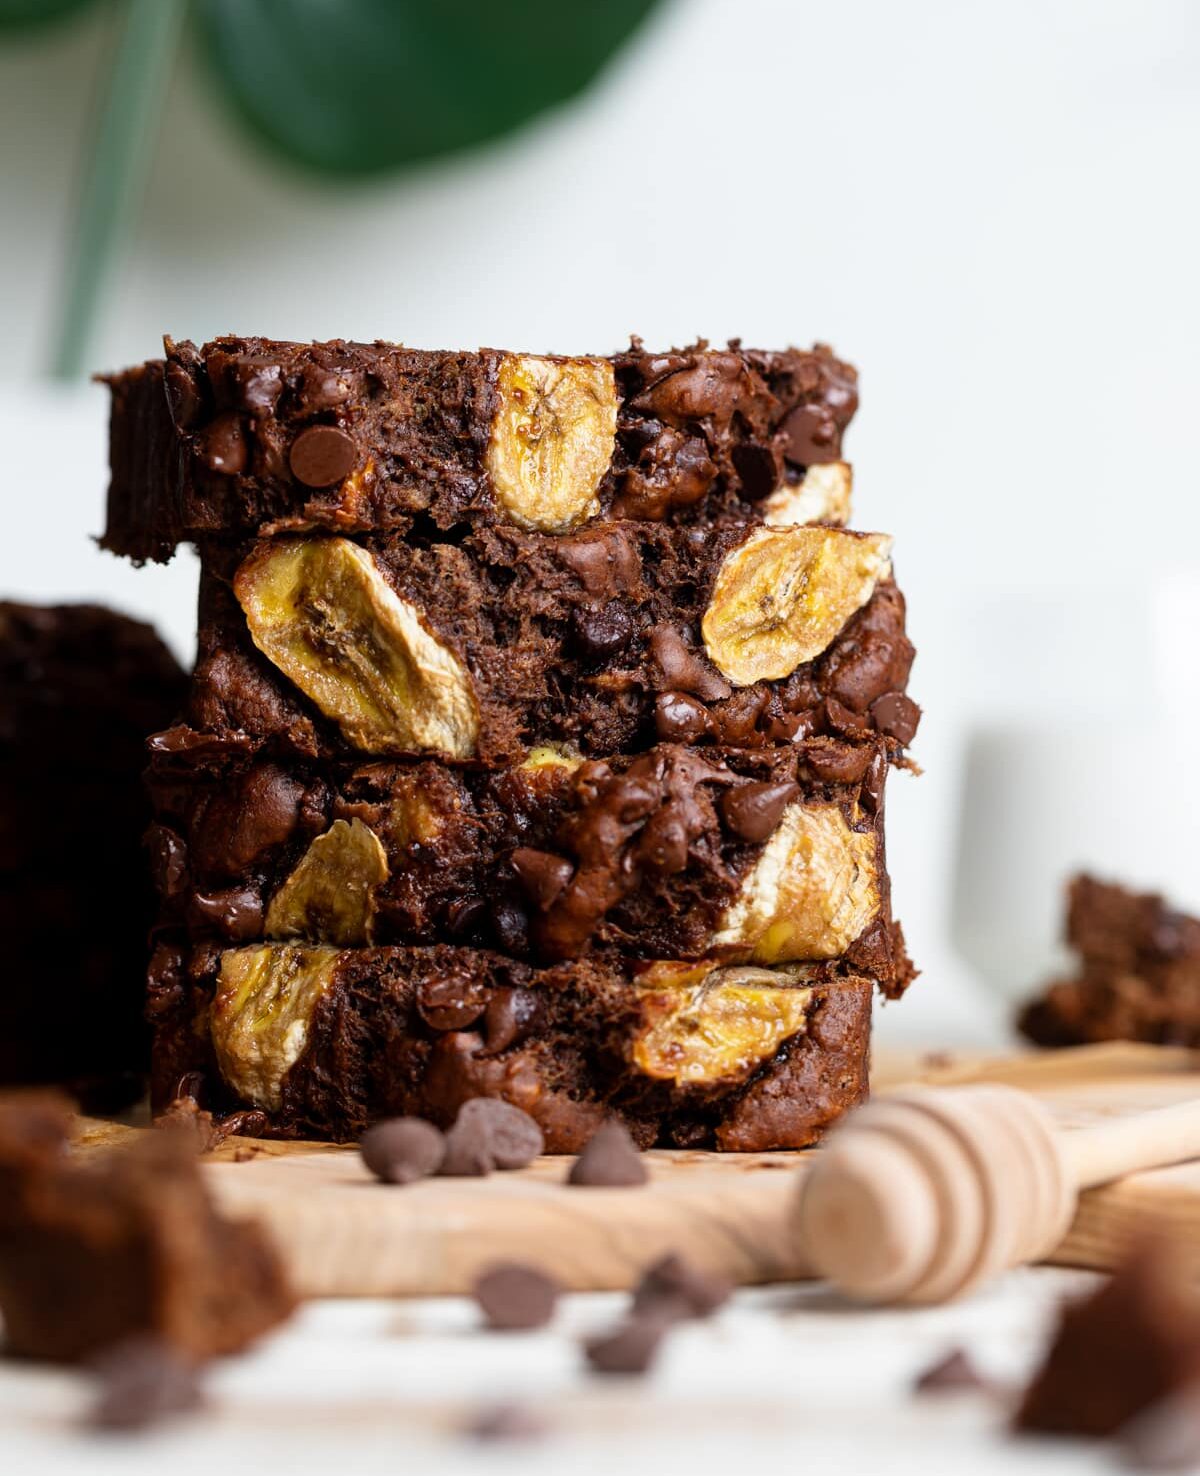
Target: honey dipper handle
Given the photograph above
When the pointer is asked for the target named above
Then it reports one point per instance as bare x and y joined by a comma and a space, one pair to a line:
1094, 1155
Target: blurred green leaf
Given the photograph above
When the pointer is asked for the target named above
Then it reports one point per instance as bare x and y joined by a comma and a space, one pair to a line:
360, 86
30, 13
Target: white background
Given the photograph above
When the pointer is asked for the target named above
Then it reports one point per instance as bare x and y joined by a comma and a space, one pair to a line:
992, 209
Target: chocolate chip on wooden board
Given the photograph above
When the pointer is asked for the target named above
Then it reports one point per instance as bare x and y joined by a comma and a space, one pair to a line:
513, 1296
141, 1381
403, 1149
672, 1286
610, 1159
488, 1134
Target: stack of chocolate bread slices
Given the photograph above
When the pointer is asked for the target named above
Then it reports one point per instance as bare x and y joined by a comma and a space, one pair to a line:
537, 741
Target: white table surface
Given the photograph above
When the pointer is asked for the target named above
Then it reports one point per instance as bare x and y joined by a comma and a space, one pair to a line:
782, 1377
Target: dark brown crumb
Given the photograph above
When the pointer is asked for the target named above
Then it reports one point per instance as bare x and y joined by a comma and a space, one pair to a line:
1121, 1351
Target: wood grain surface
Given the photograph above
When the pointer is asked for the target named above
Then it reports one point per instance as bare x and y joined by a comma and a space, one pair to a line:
343, 1234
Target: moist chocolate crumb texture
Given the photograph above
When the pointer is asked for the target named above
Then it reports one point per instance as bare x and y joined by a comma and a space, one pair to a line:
245, 436
319, 1041
607, 640
1138, 974
537, 741
754, 856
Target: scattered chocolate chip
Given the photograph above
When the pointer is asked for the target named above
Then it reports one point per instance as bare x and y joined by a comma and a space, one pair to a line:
452, 1002
844, 720
758, 468
513, 1296
514, 1140
681, 669
259, 383
141, 1381
610, 1159
602, 632
322, 388
810, 435
403, 1149
663, 844
630, 1348
1166, 1437
236, 913
896, 715
542, 874
510, 924
510, 1016
223, 446
468, 1154
679, 718
673, 1287
836, 762
752, 811
506, 1422
322, 455
952, 1373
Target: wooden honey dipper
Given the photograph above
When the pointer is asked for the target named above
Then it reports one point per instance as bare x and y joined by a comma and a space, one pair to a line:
927, 1192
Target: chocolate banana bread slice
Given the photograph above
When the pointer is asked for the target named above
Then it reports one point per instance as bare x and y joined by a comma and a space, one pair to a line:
317, 1041
606, 639
763, 855
246, 436
1138, 975
80, 688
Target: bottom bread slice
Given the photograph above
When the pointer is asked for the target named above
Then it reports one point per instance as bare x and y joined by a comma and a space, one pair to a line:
317, 1041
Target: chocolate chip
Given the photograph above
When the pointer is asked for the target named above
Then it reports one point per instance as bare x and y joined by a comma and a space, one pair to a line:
955, 1372
322, 388
842, 720
223, 445
663, 845
236, 913
322, 455
468, 1151
758, 468
836, 762
673, 1287
259, 383
510, 1016
810, 435
752, 811
600, 633
513, 1296
506, 1422
510, 924
610, 1159
542, 874
141, 1381
513, 1138
450, 1003
402, 1149
183, 398
681, 669
897, 715
630, 1349
680, 719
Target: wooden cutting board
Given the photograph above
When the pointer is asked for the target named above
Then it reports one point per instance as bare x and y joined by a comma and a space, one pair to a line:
343, 1234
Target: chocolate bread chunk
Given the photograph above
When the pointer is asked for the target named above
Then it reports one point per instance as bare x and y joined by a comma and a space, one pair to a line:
245, 436
80, 688
1138, 976
761, 855
607, 639
325, 1041
98, 1250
